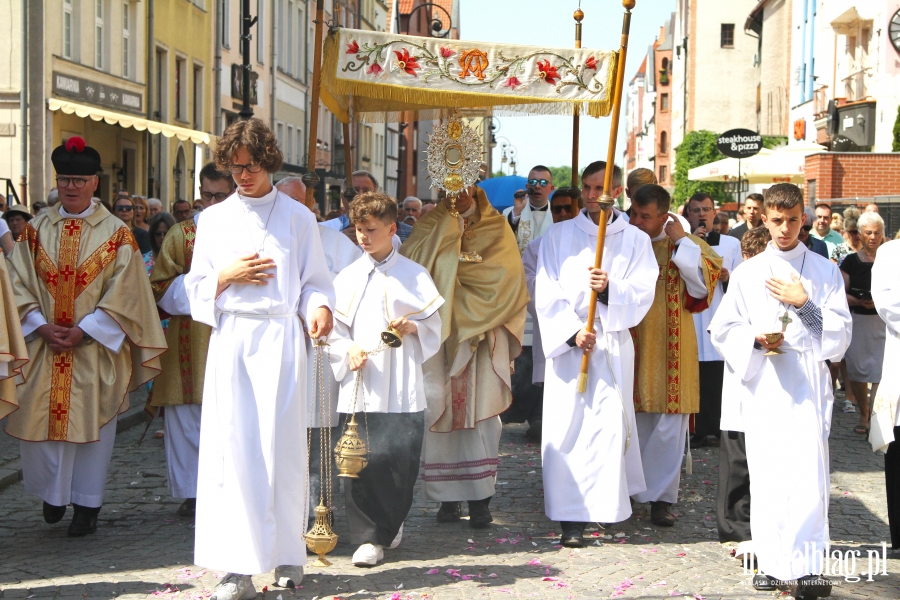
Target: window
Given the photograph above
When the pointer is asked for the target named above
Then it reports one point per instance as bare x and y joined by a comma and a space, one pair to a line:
301, 63
300, 148
126, 40
198, 98
259, 33
664, 143
662, 174
290, 37
225, 11
289, 145
279, 39
663, 102
98, 34
162, 58
728, 35
180, 89
68, 33
279, 134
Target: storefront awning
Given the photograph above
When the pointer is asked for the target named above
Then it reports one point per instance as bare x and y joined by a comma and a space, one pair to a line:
123, 120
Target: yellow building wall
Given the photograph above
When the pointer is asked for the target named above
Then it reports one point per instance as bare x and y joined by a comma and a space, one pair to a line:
186, 32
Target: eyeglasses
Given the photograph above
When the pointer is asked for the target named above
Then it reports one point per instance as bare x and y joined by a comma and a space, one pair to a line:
123, 208
540, 182
251, 168
209, 196
853, 231
351, 193
78, 182
558, 208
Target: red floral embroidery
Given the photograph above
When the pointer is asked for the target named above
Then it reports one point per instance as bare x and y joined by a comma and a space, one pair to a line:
591, 63
375, 69
447, 52
547, 72
406, 62
352, 47
512, 82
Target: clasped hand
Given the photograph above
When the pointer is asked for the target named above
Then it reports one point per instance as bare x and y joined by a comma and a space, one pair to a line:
789, 292
59, 338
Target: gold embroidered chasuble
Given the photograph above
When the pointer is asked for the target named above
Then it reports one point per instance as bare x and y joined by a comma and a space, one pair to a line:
12, 344
666, 357
184, 363
482, 318
68, 268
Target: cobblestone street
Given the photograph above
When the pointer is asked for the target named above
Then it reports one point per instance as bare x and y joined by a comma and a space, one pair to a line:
141, 549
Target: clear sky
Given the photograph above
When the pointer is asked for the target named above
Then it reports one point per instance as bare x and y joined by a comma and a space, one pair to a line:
545, 139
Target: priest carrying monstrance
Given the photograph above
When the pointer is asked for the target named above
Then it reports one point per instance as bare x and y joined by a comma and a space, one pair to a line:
93, 335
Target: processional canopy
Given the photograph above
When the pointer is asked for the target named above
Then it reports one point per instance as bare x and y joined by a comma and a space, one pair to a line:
375, 76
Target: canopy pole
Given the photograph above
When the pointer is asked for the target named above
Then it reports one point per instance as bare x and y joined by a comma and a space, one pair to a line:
311, 179
606, 201
576, 118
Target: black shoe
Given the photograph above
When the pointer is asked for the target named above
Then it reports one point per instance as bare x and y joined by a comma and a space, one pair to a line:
811, 587
450, 512
84, 521
572, 534
479, 513
660, 515
188, 508
53, 514
534, 432
764, 583
697, 441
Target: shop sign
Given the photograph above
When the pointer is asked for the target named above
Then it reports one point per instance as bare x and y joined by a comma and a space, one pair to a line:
100, 94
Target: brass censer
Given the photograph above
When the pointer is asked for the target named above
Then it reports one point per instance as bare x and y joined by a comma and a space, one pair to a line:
351, 451
321, 539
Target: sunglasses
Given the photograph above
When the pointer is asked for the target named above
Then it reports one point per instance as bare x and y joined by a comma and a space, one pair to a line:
807, 228
853, 231
124, 208
540, 182
559, 208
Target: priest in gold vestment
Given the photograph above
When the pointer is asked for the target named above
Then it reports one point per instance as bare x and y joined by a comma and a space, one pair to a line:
475, 264
179, 388
93, 335
13, 354
667, 364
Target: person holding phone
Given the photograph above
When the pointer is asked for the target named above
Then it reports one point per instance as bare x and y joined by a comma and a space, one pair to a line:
866, 352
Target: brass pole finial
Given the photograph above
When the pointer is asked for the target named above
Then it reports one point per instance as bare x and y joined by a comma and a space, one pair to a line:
628, 4
579, 14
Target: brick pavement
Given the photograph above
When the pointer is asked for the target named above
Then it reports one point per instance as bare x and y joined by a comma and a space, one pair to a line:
141, 550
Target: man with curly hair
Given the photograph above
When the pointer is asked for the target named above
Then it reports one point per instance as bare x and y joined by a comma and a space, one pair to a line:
259, 278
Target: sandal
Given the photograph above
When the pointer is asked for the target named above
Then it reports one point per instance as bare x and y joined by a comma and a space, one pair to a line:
861, 429
848, 407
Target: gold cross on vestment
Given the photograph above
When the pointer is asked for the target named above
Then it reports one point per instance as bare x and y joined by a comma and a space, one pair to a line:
785, 319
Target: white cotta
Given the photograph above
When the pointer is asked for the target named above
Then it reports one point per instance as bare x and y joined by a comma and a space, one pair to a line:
785, 402
368, 297
252, 483
729, 249
340, 253
532, 225
590, 447
886, 294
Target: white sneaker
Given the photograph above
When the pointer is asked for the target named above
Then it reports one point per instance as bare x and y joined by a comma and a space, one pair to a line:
235, 587
398, 538
288, 576
368, 555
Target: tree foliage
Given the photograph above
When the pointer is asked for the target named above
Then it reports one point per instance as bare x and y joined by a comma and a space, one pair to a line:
698, 148
562, 176
896, 145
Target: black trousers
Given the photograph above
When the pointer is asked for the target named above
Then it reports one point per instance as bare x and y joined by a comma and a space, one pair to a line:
892, 485
706, 422
527, 398
733, 495
378, 502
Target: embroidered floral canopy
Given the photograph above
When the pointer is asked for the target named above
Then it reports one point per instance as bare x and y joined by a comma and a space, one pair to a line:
377, 75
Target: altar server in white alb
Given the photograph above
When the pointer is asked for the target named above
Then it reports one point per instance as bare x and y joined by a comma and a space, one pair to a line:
258, 268
787, 400
383, 289
590, 451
